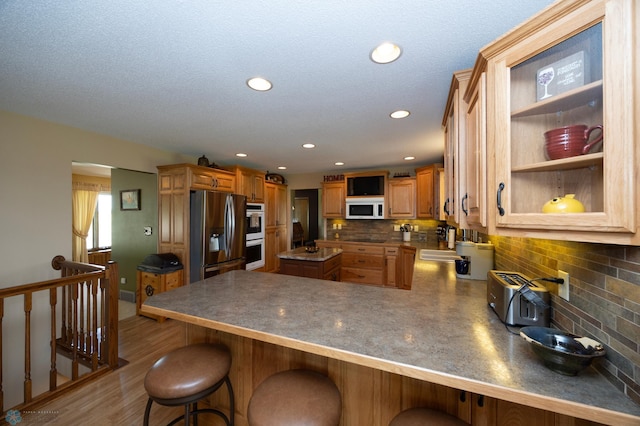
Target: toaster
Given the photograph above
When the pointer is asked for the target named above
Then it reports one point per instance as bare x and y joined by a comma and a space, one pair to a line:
516, 299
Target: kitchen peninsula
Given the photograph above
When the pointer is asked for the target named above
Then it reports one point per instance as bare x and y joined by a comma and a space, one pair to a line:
437, 344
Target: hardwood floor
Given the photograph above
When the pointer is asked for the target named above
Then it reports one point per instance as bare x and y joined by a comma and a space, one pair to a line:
119, 397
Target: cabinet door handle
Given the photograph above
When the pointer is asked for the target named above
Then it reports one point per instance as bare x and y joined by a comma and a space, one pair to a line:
148, 290
446, 207
500, 209
481, 401
464, 208
463, 396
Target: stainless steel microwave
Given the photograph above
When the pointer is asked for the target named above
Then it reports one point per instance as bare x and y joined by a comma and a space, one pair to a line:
365, 208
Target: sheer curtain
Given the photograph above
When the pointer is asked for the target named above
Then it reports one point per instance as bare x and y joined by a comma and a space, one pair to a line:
84, 198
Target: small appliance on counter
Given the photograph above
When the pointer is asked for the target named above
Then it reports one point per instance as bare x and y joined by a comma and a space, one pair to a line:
476, 262
516, 299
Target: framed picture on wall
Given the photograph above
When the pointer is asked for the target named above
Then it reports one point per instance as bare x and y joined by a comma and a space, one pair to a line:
130, 199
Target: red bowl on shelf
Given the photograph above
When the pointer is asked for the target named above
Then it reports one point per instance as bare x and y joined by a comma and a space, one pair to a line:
570, 141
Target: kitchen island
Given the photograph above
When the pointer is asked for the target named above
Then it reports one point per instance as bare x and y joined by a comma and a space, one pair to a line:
438, 344
322, 263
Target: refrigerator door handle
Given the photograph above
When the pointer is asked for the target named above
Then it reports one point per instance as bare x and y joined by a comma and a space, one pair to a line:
229, 225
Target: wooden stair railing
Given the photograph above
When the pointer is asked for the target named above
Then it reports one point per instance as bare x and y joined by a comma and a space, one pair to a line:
89, 325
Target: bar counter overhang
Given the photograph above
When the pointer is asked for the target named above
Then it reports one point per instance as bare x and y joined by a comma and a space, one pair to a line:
441, 332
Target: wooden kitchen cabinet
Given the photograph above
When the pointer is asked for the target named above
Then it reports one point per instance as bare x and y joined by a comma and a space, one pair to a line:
474, 201
402, 198
211, 179
275, 204
324, 270
363, 264
275, 241
333, 199
426, 191
584, 48
174, 184
250, 183
276, 235
375, 263
454, 123
150, 283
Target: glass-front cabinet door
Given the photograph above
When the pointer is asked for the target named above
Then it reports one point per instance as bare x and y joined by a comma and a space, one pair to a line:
564, 106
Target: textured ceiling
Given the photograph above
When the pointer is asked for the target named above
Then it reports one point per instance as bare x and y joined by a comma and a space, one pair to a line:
172, 73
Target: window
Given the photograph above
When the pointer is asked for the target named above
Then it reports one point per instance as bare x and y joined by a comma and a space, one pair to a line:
100, 230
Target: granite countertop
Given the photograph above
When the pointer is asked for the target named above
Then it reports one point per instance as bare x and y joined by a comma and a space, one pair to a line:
441, 331
301, 253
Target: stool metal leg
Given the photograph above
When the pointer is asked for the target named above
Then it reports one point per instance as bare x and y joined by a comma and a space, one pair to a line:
232, 402
147, 411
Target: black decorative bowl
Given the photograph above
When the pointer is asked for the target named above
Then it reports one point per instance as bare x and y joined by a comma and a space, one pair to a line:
562, 352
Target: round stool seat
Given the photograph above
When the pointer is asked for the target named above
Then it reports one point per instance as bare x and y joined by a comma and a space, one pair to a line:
187, 372
295, 397
425, 416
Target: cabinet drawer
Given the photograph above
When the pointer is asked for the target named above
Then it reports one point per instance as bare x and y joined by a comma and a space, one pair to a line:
391, 251
363, 249
367, 261
359, 275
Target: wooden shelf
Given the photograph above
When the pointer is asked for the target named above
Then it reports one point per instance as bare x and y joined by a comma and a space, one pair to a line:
562, 102
571, 163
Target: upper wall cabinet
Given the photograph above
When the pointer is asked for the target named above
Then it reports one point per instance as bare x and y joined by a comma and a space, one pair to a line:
250, 183
333, 199
554, 85
454, 122
426, 181
474, 201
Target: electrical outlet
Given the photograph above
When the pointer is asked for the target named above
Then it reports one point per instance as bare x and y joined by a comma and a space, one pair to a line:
123, 280
396, 227
415, 228
563, 289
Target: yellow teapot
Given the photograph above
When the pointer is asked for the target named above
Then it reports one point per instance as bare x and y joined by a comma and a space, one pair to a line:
566, 204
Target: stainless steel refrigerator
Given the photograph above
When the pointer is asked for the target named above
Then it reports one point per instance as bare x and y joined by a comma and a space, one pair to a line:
217, 233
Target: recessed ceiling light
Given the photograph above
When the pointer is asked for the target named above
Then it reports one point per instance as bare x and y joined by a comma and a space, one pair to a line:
339, 163
241, 154
282, 167
260, 84
308, 145
409, 158
385, 53
401, 113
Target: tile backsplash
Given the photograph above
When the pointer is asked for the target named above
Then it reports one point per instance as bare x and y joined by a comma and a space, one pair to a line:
382, 229
604, 300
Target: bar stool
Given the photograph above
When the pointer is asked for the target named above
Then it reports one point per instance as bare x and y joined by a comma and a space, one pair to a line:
186, 375
295, 397
425, 416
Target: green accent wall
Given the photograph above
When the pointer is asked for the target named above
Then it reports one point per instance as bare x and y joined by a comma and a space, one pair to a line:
129, 245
